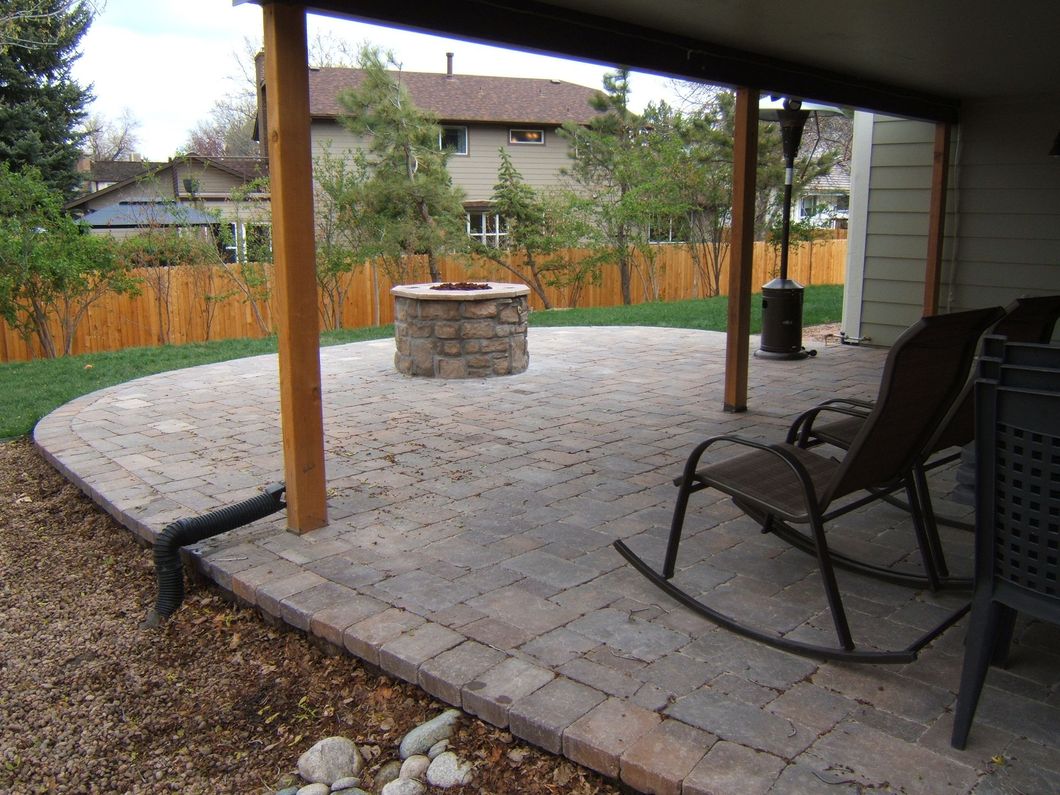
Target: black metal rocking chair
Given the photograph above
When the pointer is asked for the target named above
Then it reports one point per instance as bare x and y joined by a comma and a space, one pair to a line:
781, 483
1026, 320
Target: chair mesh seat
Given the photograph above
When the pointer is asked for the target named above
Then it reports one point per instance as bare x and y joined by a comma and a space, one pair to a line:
840, 433
764, 479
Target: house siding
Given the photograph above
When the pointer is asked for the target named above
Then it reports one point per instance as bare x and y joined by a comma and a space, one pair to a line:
476, 172
160, 188
1003, 224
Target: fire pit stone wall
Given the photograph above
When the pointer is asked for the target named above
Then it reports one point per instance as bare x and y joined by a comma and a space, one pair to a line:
461, 333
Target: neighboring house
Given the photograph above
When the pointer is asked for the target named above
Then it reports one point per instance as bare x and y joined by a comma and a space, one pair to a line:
99, 174
477, 115
189, 191
824, 201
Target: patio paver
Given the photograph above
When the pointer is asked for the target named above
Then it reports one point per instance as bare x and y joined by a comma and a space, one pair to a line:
470, 552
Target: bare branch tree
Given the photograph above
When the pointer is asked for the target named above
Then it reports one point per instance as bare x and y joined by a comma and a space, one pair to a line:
111, 139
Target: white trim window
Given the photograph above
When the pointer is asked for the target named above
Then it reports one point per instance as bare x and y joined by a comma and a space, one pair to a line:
453, 139
243, 242
523, 136
490, 229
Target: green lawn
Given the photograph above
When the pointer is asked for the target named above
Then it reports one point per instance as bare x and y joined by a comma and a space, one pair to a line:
29, 390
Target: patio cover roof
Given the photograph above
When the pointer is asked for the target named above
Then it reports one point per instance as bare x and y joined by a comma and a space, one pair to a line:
904, 58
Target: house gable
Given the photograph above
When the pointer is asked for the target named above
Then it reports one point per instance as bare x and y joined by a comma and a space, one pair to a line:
488, 108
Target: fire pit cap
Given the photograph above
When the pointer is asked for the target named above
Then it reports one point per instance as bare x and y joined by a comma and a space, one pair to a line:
426, 292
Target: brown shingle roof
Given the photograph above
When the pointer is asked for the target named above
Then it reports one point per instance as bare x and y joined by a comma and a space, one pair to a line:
512, 100
246, 168
118, 170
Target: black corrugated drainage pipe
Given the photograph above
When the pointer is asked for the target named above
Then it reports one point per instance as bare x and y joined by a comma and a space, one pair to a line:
192, 529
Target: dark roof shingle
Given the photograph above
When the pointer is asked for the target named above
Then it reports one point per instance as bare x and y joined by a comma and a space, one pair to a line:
512, 100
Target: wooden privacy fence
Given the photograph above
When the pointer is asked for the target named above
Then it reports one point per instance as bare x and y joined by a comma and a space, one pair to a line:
192, 304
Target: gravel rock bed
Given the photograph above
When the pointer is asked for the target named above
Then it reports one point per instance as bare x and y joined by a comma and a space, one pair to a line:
214, 701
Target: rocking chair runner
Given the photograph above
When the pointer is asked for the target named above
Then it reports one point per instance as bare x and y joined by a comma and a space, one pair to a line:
780, 483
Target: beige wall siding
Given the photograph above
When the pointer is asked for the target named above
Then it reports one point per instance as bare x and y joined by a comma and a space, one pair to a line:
476, 172
143, 190
1003, 221
1008, 241
210, 181
899, 193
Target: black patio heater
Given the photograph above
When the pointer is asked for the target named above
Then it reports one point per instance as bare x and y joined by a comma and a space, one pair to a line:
782, 297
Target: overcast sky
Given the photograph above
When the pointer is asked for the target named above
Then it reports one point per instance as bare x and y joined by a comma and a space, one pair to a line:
168, 61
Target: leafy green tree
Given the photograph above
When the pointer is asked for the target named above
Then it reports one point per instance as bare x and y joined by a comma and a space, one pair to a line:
157, 251
410, 192
691, 176
51, 269
608, 166
346, 235
41, 107
540, 227
249, 274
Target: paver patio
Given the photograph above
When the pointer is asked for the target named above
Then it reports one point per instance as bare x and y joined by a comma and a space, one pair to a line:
469, 551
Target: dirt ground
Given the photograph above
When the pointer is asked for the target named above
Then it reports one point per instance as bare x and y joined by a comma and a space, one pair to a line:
214, 701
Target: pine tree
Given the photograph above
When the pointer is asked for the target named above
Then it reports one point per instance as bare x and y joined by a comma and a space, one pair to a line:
41, 107
418, 209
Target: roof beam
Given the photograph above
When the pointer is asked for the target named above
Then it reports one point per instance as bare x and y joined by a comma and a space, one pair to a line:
546, 28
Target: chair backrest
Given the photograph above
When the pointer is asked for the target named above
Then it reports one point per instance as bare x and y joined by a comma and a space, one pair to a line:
924, 373
1018, 475
1026, 320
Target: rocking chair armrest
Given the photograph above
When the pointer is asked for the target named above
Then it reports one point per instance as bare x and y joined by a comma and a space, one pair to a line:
802, 428
778, 450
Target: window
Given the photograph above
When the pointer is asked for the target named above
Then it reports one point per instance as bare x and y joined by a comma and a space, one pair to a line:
526, 136
807, 206
453, 140
224, 236
257, 243
243, 242
490, 229
669, 230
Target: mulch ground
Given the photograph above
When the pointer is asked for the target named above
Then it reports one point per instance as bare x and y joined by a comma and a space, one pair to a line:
214, 701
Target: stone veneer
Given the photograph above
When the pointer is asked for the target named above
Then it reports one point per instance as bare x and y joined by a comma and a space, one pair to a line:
461, 333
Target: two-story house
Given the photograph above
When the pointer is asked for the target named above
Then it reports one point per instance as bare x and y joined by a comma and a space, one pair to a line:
477, 115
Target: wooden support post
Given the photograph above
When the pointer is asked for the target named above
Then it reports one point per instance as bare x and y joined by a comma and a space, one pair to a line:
940, 171
741, 253
291, 178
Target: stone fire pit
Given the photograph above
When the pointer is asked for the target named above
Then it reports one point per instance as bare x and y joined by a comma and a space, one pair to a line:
461, 332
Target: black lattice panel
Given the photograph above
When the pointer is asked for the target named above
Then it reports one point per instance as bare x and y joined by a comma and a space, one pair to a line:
1027, 529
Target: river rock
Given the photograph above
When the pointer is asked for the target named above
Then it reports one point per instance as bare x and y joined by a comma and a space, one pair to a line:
315, 789
415, 767
346, 782
329, 760
420, 739
447, 770
404, 786
387, 773
439, 747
